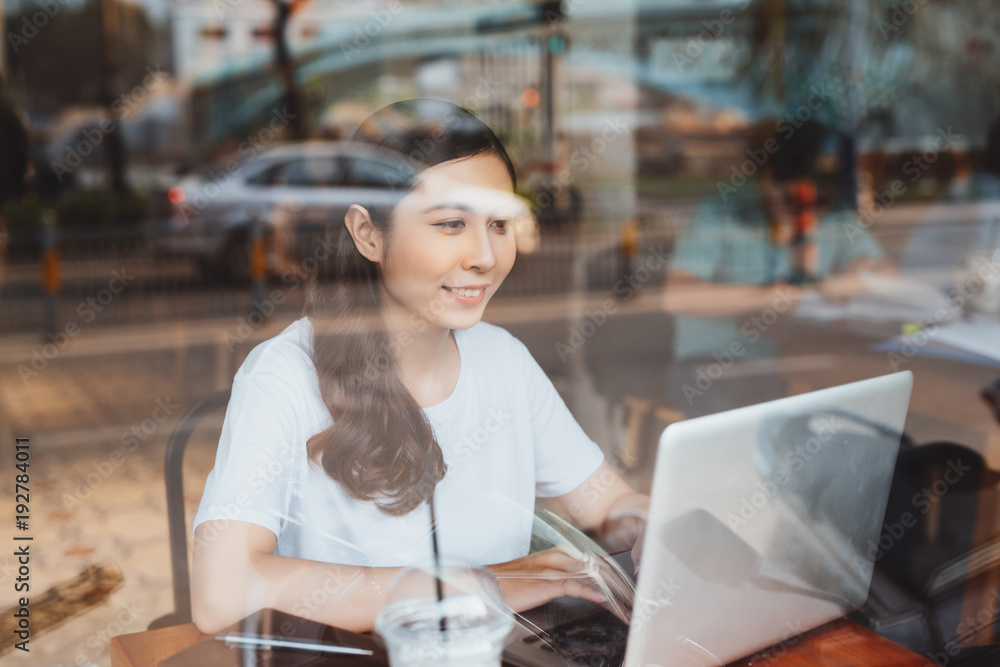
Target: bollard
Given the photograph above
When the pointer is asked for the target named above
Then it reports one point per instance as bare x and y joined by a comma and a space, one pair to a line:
51, 269
629, 248
258, 261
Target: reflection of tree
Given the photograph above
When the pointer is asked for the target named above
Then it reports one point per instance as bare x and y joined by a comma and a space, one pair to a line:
891, 66
56, 68
111, 88
284, 10
14, 156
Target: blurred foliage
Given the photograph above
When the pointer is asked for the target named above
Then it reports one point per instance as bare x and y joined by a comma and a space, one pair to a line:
14, 153
58, 65
80, 208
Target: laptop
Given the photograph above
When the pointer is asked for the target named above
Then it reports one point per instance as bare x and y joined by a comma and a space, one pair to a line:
763, 524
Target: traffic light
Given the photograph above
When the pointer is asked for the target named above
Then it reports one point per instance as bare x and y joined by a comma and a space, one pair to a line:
530, 97
557, 43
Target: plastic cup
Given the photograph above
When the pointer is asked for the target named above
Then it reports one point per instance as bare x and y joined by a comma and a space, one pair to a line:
463, 629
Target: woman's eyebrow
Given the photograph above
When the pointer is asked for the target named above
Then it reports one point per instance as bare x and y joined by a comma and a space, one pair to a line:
454, 205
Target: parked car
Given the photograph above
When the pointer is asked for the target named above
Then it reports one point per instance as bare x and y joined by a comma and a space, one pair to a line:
288, 194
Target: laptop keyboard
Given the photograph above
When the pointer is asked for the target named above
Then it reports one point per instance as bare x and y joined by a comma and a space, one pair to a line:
595, 640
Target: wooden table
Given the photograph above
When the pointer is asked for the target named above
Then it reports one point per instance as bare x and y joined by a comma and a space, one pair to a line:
836, 644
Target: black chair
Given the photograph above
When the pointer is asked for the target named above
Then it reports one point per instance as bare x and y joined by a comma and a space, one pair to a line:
928, 562
174, 475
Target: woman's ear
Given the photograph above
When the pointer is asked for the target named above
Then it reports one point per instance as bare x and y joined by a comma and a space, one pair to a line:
367, 238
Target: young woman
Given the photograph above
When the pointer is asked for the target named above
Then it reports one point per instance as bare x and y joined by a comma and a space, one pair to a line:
392, 388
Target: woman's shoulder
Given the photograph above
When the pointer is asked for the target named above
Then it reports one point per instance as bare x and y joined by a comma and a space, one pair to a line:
285, 358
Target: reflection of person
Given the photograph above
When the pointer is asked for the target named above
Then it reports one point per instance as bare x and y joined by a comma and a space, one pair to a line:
391, 393
737, 258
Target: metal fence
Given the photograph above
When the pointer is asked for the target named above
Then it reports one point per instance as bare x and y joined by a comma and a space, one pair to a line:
100, 278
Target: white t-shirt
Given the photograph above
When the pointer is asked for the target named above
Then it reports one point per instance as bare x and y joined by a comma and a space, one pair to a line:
505, 433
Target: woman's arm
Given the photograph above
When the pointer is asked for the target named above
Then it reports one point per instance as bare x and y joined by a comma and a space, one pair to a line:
236, 573
606, 504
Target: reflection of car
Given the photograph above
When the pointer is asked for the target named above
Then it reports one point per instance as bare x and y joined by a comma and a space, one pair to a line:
290, 194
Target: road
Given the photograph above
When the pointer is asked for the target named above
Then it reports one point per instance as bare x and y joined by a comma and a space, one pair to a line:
171, 289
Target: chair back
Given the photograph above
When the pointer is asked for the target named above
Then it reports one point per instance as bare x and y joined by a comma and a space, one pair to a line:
174, 475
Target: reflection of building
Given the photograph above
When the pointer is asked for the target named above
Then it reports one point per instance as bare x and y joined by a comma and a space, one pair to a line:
208, 34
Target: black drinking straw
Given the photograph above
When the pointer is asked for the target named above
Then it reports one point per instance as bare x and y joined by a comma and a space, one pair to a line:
437, 565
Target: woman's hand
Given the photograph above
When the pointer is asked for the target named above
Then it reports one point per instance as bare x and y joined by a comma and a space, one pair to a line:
624, 529
544, 576
606, 504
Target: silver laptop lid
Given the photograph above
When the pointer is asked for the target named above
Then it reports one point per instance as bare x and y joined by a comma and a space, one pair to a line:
762, 520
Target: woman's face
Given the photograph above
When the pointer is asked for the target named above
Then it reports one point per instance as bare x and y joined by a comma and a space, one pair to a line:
452, 243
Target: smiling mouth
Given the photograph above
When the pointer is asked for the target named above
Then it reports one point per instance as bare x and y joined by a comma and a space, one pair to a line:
469, 293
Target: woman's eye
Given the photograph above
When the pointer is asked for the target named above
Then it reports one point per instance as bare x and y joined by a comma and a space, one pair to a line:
501, 225
451, 225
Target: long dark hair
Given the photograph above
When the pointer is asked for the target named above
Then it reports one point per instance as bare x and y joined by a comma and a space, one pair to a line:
380, 447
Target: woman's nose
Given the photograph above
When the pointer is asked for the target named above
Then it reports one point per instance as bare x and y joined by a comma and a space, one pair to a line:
479, 252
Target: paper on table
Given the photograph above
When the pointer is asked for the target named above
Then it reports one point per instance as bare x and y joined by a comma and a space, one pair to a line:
983, 338
887, 299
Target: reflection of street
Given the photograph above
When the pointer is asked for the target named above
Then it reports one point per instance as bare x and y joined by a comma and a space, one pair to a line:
164, 338
170, 288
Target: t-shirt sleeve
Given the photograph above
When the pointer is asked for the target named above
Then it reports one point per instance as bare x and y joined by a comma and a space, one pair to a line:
851, 239
254, 465
564, 455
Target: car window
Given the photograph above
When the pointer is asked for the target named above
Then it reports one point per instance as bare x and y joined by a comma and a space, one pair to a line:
369, 173
309, 172
266, 176
301, 172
